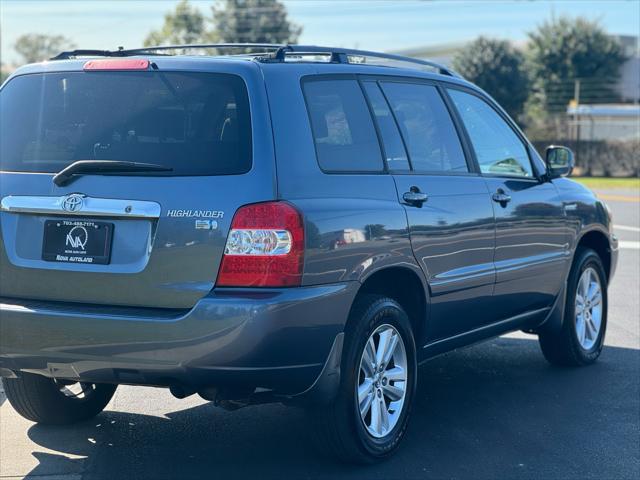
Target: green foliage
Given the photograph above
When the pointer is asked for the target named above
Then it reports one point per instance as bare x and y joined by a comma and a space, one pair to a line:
184, 25
254, 21
562, 50
35, 47
241, 21
496, 67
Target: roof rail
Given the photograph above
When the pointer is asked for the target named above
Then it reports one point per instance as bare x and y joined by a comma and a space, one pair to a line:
265, 52
157, 50
342, 55
87, 53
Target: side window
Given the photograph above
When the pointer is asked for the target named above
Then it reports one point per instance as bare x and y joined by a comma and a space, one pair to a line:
498, 149
395, 153
427, 128
343, 131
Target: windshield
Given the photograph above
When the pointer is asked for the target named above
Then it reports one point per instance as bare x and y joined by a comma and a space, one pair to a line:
192, 123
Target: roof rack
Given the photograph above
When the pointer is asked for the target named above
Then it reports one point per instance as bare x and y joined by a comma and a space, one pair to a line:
267, 52
351, 56
87, 53
162, 49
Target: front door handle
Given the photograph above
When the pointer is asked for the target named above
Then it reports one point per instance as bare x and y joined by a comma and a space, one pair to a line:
501, 197
415, 197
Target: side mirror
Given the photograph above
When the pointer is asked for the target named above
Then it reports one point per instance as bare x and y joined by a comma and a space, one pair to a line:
560, 161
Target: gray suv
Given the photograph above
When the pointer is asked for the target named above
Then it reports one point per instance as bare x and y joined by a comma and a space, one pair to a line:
296, 224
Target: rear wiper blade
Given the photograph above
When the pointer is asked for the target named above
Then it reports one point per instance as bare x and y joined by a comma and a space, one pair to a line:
65, 175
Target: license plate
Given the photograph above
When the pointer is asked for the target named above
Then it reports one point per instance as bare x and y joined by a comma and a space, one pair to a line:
77, 241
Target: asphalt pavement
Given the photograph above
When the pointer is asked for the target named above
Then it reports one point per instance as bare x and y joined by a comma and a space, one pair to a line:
492, 411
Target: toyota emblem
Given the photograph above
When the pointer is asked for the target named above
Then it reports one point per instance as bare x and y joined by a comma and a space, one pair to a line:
73, 203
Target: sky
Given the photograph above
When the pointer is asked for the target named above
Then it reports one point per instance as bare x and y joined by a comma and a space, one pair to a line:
381, 25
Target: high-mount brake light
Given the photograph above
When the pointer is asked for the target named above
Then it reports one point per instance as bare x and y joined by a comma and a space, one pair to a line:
117, 64
265, 247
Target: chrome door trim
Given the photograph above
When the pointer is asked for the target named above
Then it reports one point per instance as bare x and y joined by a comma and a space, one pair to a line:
90, 206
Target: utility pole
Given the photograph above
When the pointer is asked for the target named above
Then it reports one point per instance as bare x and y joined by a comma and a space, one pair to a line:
576, 116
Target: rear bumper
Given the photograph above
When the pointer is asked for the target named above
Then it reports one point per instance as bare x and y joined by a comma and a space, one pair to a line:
275, 339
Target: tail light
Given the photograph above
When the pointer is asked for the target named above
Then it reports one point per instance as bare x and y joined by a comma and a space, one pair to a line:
117, 64
265, 247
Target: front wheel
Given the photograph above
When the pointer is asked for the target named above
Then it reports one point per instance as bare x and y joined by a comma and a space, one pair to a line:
55, 402
581, 338
369, 417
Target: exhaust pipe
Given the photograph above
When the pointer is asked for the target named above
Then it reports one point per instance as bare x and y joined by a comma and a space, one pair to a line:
233, 399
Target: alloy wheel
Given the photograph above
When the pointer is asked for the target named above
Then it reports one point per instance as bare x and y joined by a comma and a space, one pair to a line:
382, 381
588, 308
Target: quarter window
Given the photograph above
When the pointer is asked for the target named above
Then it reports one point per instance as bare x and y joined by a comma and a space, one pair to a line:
498, 149
427, 128
342, 127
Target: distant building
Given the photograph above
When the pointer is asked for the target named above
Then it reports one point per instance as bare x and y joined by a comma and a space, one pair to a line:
606, 121
629, 85
441, 53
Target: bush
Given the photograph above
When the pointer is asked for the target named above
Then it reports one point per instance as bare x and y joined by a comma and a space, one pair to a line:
605, 158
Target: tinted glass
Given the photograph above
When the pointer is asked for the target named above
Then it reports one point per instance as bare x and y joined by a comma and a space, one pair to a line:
194, 123
395, 153
342, 127
498, 149
427, 128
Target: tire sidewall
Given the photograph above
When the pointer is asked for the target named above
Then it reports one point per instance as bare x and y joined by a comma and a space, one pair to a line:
586, 259
39, 399
382, 311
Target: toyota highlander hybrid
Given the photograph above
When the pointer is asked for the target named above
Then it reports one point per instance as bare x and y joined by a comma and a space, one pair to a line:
283, 223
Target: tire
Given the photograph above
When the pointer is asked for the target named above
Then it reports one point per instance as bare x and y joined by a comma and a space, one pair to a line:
43, 400
339, 426
575, 343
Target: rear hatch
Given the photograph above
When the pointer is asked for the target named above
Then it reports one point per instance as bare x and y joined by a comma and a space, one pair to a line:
147, 238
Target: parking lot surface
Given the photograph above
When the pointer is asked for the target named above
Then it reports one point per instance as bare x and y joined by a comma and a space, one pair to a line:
495, 410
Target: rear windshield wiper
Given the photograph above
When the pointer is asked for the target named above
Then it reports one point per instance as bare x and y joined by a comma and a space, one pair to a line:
65, 175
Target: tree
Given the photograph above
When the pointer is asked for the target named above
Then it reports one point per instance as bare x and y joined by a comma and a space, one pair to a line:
564, 50
184, 25
497, 67
35, 47
254, 21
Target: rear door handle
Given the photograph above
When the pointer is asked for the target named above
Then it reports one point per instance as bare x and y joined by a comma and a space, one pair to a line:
501, 197
415, 197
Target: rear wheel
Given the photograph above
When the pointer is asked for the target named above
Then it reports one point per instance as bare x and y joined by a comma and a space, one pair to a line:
581, 338
44, 400
369, 417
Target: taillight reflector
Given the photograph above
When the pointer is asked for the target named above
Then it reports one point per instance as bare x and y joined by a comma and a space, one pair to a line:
117, 64
265, 247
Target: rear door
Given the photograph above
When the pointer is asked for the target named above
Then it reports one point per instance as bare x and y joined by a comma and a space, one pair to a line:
531, 245
447, 204
152, 239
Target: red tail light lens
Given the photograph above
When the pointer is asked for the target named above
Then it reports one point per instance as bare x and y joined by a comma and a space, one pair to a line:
265, 247
117, 64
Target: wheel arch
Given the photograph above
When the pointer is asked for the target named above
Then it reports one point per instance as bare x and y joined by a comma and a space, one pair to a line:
599, 242
595, 240
405, 286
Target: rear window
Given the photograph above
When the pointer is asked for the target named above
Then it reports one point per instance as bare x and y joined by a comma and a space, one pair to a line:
343, 130
194, 123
